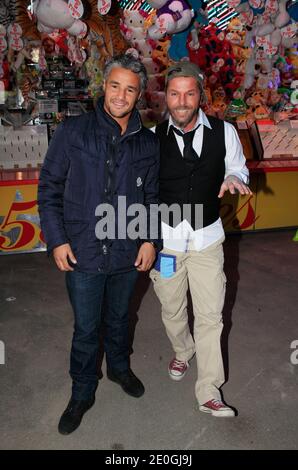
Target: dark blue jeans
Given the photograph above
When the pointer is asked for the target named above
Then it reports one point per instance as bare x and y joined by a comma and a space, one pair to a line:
98, 299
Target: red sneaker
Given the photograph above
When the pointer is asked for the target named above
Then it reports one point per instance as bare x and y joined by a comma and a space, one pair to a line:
217, 408
177, 369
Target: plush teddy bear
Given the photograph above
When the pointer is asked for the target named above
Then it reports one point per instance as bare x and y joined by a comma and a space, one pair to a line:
261, 111
274, 99
258, 97
56, 14
218, 101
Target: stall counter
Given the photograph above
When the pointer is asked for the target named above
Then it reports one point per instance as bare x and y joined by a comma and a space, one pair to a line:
274, 204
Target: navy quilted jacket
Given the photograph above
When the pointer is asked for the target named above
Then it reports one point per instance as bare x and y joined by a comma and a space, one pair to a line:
88, 163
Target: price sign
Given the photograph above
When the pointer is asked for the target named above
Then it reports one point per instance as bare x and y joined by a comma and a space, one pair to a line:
16, 44
104, 6
14, 30
76, 8
289, 31
3, 44
2, 31
20, 229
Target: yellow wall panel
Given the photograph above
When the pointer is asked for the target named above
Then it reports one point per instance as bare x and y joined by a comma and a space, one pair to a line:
277, 200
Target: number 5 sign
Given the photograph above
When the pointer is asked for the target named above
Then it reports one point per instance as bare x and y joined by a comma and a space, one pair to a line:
19, 222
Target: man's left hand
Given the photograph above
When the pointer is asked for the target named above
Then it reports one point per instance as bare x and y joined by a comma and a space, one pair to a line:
146, 257
233, 184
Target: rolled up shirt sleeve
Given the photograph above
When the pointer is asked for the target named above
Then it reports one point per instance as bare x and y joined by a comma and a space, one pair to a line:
235, 160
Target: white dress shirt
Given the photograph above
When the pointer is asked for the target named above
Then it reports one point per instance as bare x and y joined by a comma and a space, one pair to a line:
183, 238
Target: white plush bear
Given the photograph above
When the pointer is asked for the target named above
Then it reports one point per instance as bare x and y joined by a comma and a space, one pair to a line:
55, 14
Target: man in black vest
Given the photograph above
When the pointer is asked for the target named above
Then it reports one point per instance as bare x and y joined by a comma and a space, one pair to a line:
201, 158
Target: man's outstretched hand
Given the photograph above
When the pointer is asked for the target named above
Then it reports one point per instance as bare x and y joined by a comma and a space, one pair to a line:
233, 184
146, 257
61, 254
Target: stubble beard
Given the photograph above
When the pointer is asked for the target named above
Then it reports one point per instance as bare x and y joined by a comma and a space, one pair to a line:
184, 123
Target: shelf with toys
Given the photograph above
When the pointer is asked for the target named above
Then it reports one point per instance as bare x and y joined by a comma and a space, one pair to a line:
247, 53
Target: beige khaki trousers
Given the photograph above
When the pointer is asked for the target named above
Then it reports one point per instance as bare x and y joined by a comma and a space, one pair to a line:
201, 272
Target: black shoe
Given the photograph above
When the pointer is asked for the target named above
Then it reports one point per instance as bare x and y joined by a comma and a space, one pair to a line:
72, 416
128, 381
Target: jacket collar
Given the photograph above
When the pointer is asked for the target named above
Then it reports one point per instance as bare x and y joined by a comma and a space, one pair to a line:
108, 124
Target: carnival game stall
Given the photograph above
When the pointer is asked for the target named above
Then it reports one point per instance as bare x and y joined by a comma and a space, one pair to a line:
52, 54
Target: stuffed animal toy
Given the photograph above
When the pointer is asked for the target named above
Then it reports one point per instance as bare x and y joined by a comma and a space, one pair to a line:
51, 15
112, 21
218, 101
251, 71
144, 47
286, 71
75, 54
65, 14
55, 14
132, 25
178, 49
156, 101
94, 73
215, 57
5, 79
172, 16
151, 66
236, 109
261, 111
292, 56
155, 83
25, 53
274, 99
258, 97
160, 53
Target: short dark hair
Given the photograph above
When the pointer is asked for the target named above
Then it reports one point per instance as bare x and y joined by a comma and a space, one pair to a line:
129, 62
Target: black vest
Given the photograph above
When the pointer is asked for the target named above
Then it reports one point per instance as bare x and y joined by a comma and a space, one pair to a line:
198, 183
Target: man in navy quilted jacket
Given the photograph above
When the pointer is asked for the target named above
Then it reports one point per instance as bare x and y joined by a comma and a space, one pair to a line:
93, 160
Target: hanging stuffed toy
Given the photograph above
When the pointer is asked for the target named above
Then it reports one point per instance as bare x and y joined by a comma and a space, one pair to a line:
63, 14
172, 16
67, 16
178, 49
56, 14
